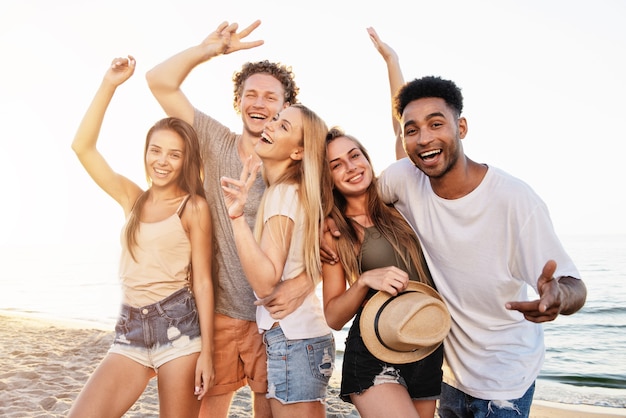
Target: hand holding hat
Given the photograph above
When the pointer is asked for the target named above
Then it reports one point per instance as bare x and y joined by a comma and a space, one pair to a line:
407, 327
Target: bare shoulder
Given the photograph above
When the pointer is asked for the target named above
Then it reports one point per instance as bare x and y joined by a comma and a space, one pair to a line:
199, 201
199, 210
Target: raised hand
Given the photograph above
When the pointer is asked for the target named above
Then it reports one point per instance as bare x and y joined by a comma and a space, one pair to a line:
225, 39
383, 49
236, 191
120, 70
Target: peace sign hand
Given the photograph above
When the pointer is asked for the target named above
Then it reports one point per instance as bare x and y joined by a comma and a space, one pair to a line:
236, 191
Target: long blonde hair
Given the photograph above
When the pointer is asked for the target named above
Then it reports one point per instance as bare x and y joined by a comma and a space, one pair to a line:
393, 227
190, 180
312, 176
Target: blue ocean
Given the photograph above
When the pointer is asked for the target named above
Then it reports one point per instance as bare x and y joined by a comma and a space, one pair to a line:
585, 356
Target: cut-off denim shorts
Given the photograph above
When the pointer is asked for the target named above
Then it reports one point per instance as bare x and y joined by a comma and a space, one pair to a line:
361, 370
155, 334
298, 370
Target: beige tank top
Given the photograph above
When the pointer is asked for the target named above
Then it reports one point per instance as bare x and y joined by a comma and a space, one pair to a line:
163, 255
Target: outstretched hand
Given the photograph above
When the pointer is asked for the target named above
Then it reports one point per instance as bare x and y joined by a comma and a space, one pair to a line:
120, 70
236, 191
225, 39
549, 304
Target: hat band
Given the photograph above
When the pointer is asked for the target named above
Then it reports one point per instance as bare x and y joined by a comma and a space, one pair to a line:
382, 307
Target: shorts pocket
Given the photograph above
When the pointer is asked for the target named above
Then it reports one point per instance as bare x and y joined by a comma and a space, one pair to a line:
122, 327
181, 317
179, 309
321, 355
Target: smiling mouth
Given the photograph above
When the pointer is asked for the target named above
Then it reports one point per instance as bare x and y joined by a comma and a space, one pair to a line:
429, 155
257, 116
266, 138
355, 178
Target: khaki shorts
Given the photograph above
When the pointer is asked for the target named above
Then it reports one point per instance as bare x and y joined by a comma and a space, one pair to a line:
239, 356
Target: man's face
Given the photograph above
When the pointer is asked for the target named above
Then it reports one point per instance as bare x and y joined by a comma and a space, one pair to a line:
263, 96
431, 135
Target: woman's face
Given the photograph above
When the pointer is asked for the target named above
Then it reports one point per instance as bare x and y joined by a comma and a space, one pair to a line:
282, 136
351, 172
164, 157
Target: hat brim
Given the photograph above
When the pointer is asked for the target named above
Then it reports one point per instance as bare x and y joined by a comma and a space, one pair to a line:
368, 331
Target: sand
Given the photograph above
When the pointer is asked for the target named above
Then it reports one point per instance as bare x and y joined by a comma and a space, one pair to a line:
44, 364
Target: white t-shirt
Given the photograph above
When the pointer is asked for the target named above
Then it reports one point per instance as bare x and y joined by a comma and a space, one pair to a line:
483, 250
307, 321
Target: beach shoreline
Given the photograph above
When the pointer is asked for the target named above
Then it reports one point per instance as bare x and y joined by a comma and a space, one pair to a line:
44, 363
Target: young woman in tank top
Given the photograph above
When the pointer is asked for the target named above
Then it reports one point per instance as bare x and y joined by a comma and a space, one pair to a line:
285, 243
377, 250
165, 324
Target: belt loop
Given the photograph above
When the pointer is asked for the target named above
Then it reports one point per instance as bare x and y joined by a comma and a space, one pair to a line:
159, 308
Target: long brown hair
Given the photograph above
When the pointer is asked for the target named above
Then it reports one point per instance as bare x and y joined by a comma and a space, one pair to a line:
190, 180
386, 219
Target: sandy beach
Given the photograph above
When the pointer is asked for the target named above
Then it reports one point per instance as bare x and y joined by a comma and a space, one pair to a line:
44, 364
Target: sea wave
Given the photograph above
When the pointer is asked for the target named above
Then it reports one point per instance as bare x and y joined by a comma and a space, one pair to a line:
604, 381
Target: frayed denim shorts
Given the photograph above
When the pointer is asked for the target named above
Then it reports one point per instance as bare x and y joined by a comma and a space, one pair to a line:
155, 334
298, 370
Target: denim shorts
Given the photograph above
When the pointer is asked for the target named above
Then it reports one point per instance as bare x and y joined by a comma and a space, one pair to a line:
155, 334
361, 370
298, 370
457, 404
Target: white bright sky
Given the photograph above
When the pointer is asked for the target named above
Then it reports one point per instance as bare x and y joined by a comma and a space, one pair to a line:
543, 83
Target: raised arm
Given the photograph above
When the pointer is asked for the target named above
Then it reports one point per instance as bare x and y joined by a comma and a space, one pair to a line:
396, 80
167, 77
124, 191
263, 262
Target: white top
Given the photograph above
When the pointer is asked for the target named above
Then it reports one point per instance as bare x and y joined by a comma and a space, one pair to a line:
483, 250
307, 321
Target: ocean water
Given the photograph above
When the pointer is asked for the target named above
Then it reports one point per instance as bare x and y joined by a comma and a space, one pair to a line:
585, 353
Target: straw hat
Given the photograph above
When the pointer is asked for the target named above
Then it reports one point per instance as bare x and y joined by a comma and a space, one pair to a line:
407, 327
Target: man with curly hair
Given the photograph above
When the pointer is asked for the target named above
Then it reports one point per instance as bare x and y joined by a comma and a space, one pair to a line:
261, 90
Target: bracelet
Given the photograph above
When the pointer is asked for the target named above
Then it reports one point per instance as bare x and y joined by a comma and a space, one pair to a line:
235, 216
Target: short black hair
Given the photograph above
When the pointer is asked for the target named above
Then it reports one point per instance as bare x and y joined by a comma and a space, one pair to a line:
429, 86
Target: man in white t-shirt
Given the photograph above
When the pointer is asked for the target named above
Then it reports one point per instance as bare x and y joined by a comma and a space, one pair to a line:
487, 237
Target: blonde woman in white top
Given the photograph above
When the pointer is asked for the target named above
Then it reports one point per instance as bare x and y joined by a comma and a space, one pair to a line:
285, 243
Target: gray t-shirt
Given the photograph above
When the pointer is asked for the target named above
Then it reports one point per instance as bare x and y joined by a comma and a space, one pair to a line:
218, 146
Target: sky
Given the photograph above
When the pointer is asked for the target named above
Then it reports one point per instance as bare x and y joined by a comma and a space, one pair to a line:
543, 83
